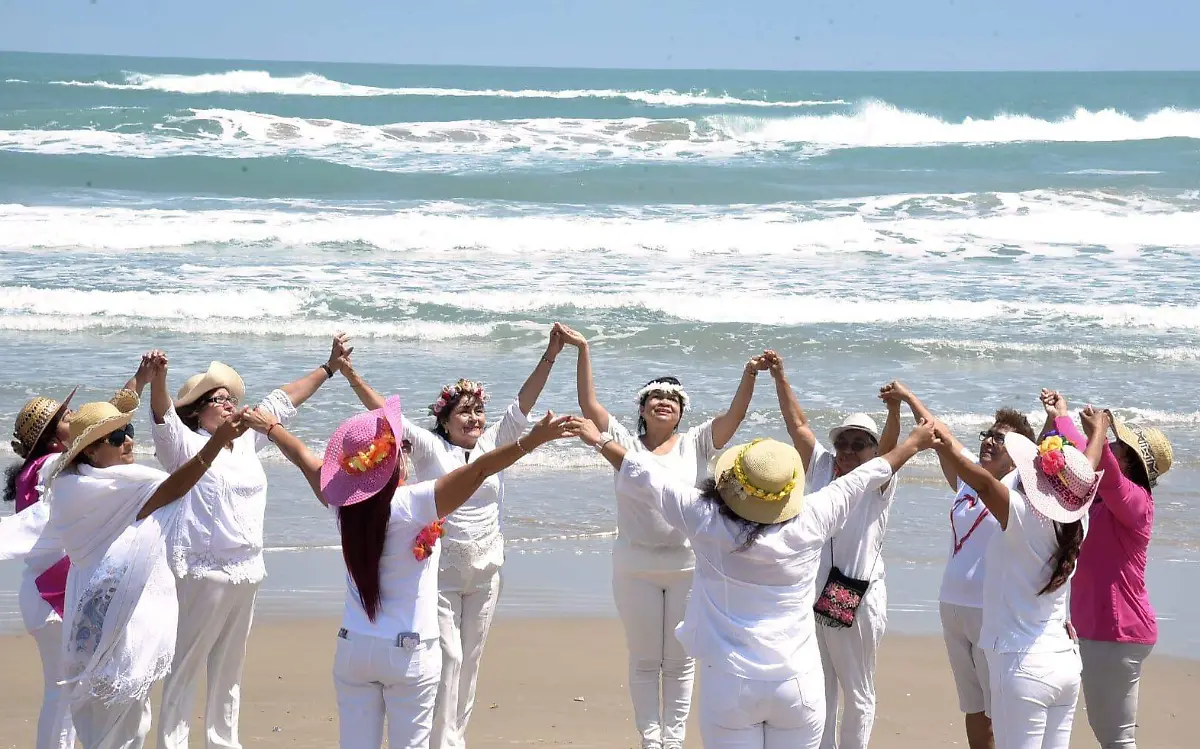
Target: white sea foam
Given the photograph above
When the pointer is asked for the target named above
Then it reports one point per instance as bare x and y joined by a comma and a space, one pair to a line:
233, 133
312, 84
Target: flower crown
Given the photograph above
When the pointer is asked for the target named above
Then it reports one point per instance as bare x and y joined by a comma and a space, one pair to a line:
668, 388
739, 473
463, 387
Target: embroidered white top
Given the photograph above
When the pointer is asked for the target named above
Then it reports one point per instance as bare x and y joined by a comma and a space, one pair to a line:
750, 612
857, 548
474, 538
221, 528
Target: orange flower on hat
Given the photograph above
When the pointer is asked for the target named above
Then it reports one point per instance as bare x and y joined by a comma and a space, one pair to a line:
377, 452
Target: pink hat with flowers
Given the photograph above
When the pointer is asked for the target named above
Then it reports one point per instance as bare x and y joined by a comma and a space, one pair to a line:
1059, 481
362, 455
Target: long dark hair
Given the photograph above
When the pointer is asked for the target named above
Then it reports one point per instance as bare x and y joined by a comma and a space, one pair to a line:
748, 530
1070, 538
40, 449
363, 527
190, 414
668, 380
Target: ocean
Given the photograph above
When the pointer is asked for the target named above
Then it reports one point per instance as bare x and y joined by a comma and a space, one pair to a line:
976, 235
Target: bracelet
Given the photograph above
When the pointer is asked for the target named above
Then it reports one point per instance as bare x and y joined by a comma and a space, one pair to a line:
548, 361
202, 461
518, 444
268, 432
605, 438
328, 371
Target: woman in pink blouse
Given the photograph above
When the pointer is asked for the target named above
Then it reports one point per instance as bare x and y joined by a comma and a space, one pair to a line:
1110, 606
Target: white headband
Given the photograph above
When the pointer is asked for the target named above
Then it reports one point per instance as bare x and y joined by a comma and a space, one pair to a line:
663, 387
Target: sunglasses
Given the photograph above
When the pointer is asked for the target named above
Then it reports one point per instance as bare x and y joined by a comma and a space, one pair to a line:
221, 400
993, 435
842, 444
117, 438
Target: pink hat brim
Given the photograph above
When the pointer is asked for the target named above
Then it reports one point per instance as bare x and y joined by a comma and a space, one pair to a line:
340, 488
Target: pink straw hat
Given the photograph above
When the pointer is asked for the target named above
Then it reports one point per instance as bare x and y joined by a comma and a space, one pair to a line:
362, 455
1058, 479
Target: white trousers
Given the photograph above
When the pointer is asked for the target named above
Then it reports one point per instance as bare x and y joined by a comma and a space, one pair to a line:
1112, 672
740, 713
214, 623
373, 678
55, 729
1033, 698
120, 727
848, 660
466, 605
651, 605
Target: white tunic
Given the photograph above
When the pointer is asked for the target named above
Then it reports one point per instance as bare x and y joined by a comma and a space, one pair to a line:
221, 528
750, 612
473, 537
857, 549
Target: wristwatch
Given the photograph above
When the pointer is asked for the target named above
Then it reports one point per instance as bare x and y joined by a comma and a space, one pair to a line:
605, 438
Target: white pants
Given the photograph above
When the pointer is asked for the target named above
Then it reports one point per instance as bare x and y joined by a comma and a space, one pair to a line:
214, 622
968, 662
1033, 698
651, 605
1111, 674
848, 659
740, 713
121, 727
466, 605
375, 677
55, 729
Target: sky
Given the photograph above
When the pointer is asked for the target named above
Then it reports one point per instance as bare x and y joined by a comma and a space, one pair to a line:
753, 34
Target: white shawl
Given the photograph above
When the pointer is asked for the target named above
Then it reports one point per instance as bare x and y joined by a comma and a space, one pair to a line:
121, 612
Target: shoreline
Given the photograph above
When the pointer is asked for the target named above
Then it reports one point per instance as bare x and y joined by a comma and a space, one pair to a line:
560, 681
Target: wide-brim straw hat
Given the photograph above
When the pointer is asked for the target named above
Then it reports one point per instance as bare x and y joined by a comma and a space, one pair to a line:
859, 421
1063, 496
762, 481
32, 427
218, 376
92, 423
1151, 445
362, 455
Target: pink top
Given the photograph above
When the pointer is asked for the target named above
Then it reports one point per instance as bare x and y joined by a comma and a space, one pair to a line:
1109, 601
51, 584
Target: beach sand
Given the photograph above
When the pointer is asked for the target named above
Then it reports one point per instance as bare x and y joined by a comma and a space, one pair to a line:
561, 682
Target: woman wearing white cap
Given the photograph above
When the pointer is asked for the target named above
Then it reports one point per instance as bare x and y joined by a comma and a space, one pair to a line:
853, 558
757, 539
388, 662
112, 516
469, 582
653, 562
1033, 661
216, 550
41, 432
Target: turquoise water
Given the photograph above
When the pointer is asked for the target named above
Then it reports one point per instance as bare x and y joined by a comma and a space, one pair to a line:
977, 235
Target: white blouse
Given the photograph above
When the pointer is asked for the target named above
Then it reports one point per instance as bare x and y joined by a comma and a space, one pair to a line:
750, 612
221, 528
473, 537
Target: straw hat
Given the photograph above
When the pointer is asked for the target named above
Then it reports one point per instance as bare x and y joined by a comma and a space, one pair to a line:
34, 420
1058, 479
90, 424
218, 376
1151, 445
362, 455
762, 481
859, 421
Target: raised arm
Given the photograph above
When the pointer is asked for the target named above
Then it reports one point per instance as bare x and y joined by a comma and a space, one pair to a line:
297, 453
794, 418
584, 385
898, 392
456, 487
160, 399
1130, 503
1058, 419
990, 490
891, 428
726, 425
144, 373
370, 399
302, 389
536, 381
589, 433
185, 477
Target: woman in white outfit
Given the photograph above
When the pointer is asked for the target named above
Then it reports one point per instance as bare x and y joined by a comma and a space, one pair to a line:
469, 579
41, 432
111, 517
216, 550
757, 539
848, 642
972, 527
652, 561
388, 662
1033, 660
